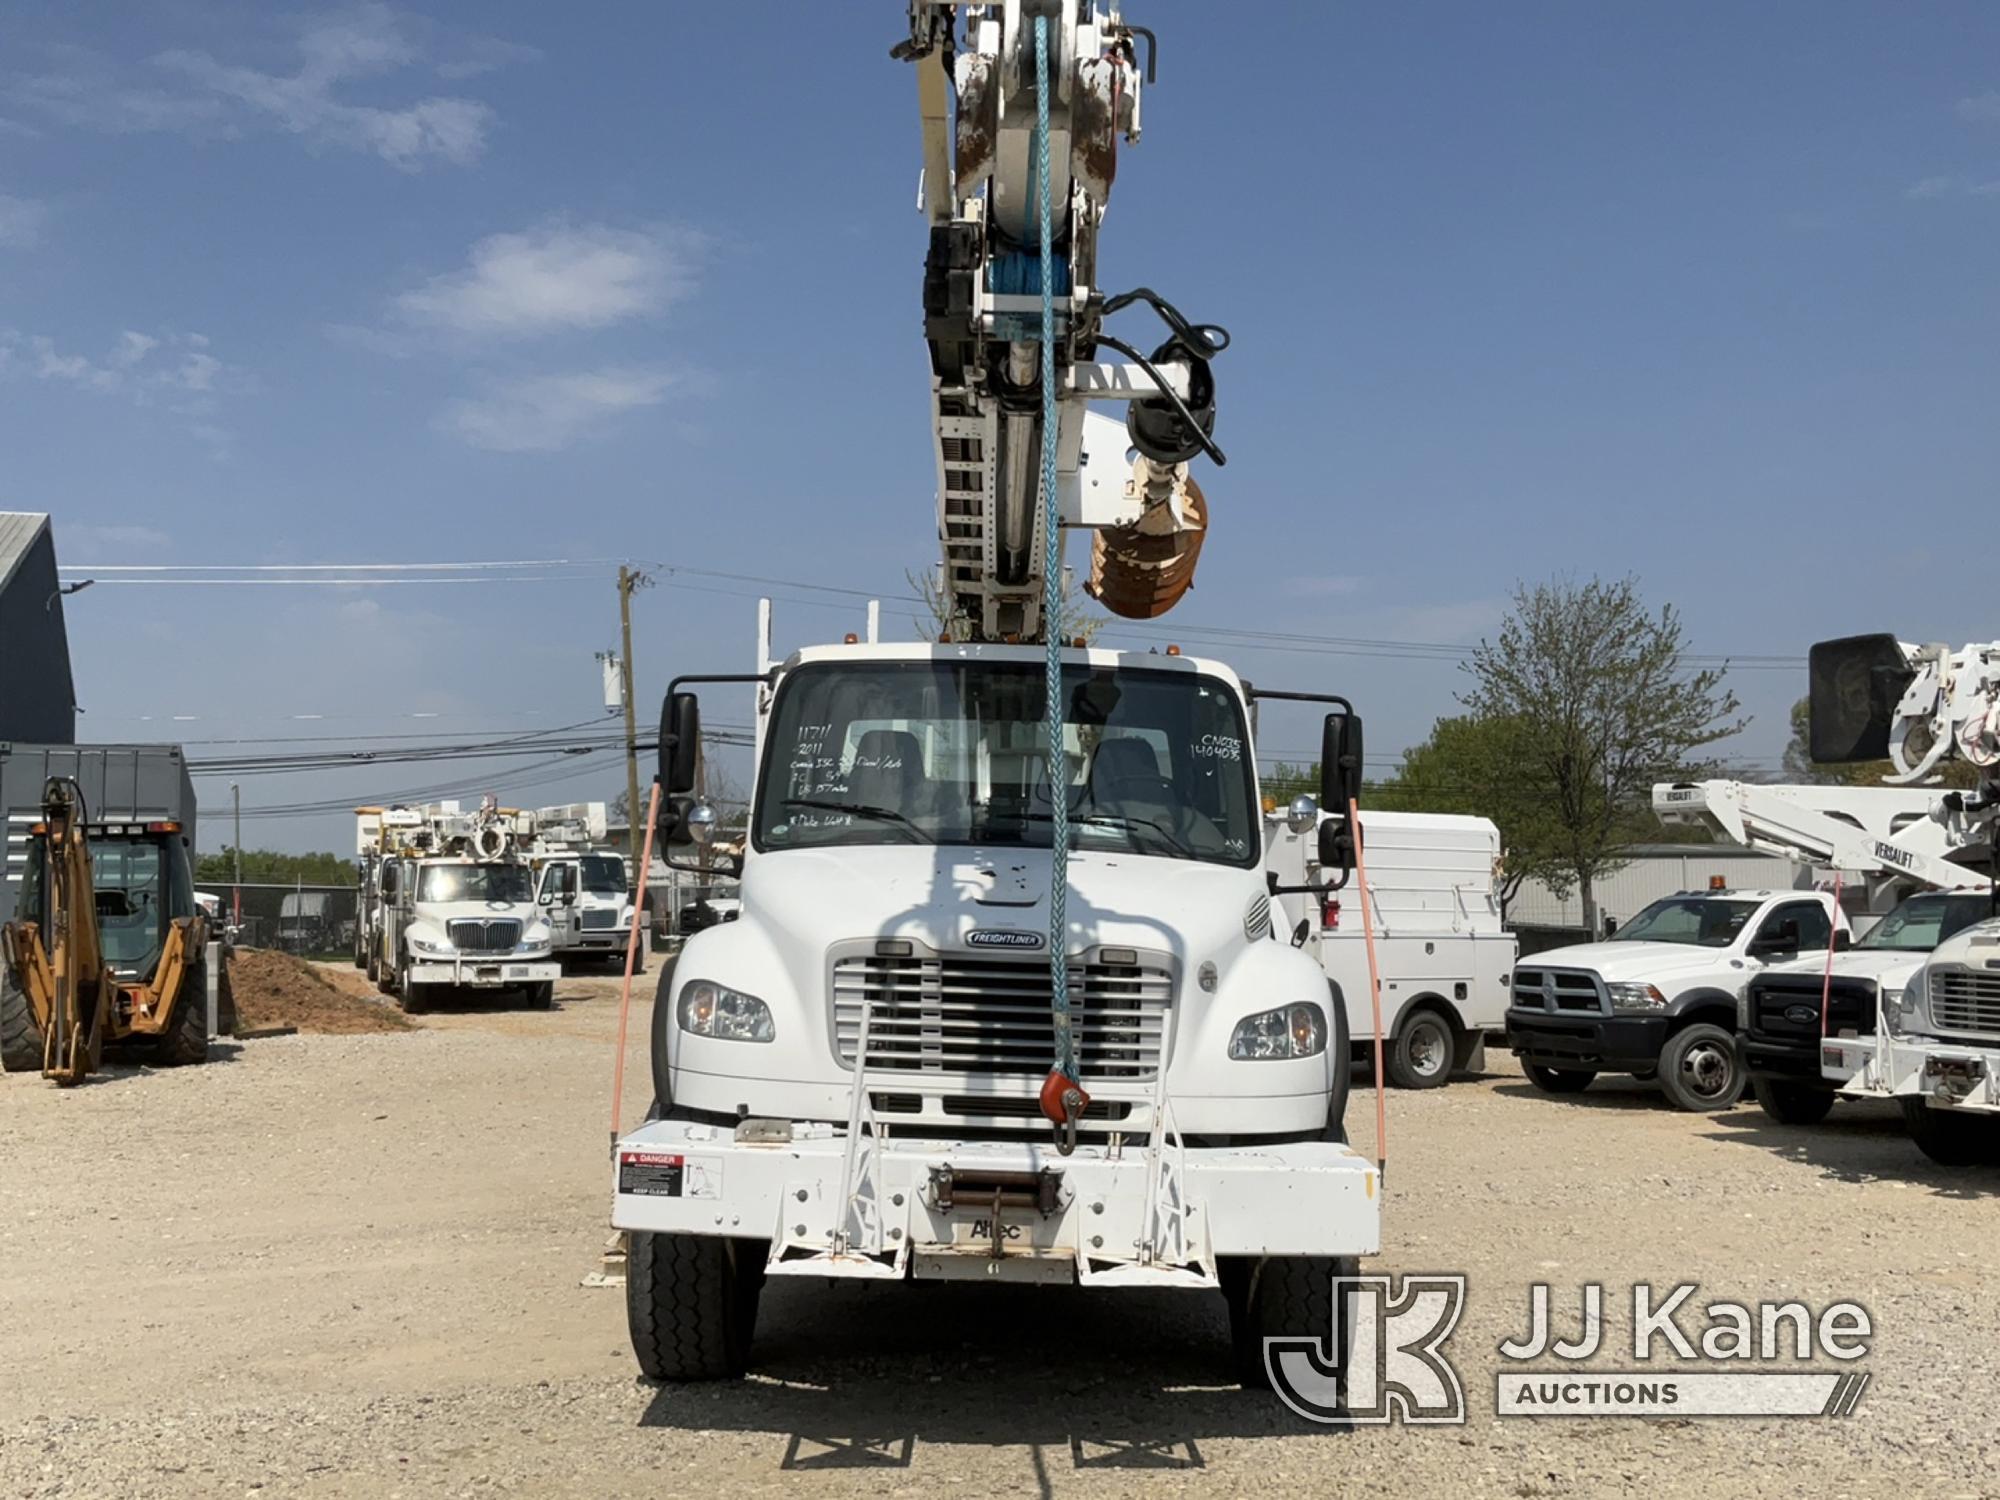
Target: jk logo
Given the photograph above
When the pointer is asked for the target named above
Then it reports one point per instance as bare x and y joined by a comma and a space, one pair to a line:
1381, 1361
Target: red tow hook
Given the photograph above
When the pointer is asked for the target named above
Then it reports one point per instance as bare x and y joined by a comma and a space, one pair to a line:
1063, 1102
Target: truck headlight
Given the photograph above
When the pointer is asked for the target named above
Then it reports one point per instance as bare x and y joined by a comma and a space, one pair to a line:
708, 1009
1908, 1015
1635, 999
1290, 1031
434, 949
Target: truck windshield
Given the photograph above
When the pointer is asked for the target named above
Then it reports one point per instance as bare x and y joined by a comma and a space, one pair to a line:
1154, 761
1701, 921
1922, 922
490, 883
603, 875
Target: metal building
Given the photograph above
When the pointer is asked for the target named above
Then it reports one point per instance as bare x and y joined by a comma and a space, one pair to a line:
37, 692
1658, 870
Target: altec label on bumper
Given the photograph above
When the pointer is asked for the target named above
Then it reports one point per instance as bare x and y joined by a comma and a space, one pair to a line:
654, 1174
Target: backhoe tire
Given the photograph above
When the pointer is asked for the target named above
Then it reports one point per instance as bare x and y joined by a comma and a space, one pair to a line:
185, 1041
1421, 1052
1559, 1080
1280, 1296
1791, 1103
1951, 1139
691, 1303
20, 1037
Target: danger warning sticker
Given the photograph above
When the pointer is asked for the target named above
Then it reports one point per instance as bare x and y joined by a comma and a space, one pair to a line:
654, 1174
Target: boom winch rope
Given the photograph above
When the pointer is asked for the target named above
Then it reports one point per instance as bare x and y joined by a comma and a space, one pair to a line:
1065, 1049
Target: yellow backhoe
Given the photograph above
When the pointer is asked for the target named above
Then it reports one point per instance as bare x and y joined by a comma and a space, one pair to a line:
108, 945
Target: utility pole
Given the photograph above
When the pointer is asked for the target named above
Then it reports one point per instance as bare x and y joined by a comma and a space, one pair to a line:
630, 580
236, 892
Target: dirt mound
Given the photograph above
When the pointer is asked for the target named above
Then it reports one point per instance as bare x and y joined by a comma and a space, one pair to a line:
275, 989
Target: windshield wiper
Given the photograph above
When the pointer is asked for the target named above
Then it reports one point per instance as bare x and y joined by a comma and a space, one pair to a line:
861, 809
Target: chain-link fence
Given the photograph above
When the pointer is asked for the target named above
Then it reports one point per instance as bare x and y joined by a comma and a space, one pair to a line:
313, 921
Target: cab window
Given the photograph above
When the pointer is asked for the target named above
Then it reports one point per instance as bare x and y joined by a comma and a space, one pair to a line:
1815, 926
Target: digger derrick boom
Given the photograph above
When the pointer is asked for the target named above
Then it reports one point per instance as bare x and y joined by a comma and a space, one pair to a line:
982, 299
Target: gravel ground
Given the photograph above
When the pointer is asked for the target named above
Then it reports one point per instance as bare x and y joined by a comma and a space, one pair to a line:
353, 1265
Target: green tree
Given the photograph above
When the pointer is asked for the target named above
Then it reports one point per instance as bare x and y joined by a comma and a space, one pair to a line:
269, 867
1606, 703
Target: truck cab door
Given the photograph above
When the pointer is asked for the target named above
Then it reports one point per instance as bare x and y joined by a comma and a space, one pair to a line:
558, 900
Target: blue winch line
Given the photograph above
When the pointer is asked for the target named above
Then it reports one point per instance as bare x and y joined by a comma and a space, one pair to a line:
1052, 591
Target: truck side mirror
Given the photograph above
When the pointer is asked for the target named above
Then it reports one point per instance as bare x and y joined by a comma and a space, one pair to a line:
1336, 848
680, 742
1340, 762
1842, 940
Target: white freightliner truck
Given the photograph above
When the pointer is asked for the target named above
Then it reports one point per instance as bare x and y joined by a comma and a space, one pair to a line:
1937, 1053
883, 1068
454, 908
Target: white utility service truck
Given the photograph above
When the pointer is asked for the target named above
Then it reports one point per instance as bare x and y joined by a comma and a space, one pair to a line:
1659, 998
580, 884
1446, 957
1937, 1053
454, 905
1889, 855
1004, 1000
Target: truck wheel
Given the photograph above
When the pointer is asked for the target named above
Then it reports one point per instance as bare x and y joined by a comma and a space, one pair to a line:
412, 999
1559, 1080
1421, 1051
185, 1041
20, 1037
541, 996
1280, 1296
1699, 1070
1949, 1139
1791, 1103
663, 1017
691, 1302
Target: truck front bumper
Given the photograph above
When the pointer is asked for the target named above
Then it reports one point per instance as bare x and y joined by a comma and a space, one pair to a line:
1603, 1044
1782, 1061
1951, 1075
994, 1210
483, 974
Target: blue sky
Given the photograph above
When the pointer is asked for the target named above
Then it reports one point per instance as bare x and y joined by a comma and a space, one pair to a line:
1699, 292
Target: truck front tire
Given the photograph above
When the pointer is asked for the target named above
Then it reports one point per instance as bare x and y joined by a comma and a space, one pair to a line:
1421, 1052
1699, 1069
1791, 1103
691, 1302
1950, 1139
1280, 1296
542, 995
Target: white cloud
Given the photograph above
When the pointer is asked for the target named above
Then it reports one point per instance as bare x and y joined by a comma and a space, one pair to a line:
547, 413
1954, 187
487, 55
557, 277
221, 98
21, 221
172, 369
1980, 107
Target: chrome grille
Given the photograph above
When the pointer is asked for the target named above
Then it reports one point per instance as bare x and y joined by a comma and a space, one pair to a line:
1559, 991
599, 921
1851, 1005
483, 935
960, 1015
1964, 1001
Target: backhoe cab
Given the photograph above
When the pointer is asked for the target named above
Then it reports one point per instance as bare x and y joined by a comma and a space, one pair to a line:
107, 945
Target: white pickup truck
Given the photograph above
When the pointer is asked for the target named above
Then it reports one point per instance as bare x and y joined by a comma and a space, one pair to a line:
1660, 998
